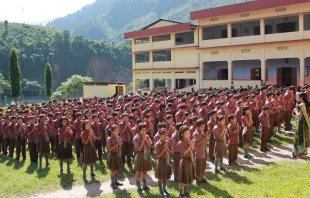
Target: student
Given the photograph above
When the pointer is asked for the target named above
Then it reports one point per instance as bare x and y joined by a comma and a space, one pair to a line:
174, 140
89, 150
6, 137
64, 151
238, 114
270, 106
49, 128
96, 127
77, 130
44, 141
186, 167
211, 124
163, 152
1, 132
126, 136
114, 146
247, 135
32, 140
233, 131
220, 150
21, 129
13, 136
201, 138
264, 129
142, 146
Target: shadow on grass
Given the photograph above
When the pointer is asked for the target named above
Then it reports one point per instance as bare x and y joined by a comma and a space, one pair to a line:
31, 168
19, 164
66, 181
42, 173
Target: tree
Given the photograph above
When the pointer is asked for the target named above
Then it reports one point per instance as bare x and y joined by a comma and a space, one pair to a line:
73, 87
5, 33
48, 80
15, 76
3, 84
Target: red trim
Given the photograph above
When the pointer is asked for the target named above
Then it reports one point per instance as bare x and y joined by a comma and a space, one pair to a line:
242, 7
166, 69
289, 41
159, 30
154, 50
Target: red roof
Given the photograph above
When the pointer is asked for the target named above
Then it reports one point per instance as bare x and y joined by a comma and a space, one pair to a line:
159, 30
242, 7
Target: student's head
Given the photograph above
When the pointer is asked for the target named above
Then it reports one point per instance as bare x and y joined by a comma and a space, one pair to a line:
20, 119
184, 133
169, 119
163, 134
95, 118
212, 115
200, 125
125, 117
232, 119
86, 125
240, 103
269, 95
63, 122
221, 120
32, 119
41, 118
13, 119
142, 128
178, 126
110, 120
114, 130
187, 115
161, 125
245, 110
265, 109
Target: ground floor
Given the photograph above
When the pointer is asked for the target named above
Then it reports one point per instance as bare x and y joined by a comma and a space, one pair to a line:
278, 64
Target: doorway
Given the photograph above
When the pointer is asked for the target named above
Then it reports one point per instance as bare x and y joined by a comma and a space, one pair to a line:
286, 76
119, 90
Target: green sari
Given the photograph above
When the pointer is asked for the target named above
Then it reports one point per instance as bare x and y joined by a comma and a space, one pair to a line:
302, 133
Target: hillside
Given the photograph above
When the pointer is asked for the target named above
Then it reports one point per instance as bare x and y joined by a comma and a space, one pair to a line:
68, 55
109, 19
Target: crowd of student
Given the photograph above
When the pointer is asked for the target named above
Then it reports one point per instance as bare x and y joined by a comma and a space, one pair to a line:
185, 127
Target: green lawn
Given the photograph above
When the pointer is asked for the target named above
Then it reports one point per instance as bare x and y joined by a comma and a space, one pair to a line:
285, 179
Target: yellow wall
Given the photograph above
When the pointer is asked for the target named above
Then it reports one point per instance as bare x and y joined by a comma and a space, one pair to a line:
90, 91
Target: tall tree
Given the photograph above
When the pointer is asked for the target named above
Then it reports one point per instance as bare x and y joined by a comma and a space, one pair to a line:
48, 80
15, 76
5, 33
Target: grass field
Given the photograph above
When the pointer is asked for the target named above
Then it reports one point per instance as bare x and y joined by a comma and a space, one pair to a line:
281, 180
23, 178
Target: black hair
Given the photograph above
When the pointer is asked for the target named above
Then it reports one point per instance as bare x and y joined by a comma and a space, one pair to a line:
199, 122
183, 129
84, 124
244, 110
61, 119
231, 117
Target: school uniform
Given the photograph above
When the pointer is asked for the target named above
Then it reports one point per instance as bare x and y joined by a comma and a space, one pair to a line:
163, 168
89, 150
126, 137
50, 131
200, 155
77, 130
288, 108
264, 129
97, 128
20, 141
1, 136
254, 112
142, 158
114, 156
220, 150
248, 135
64, 151
186, 165
56, 126
174, 140
211, 124
32, 143
13, 136
238, 114
271, 117
43, 139
233, 141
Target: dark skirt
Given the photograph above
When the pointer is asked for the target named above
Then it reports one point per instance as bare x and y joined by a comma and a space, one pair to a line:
186, 171
141, 164
64, 153
201, 165
44, 146
176, 162
114, 162
162, 171
220, 150
89, 154
255, 119
248, 137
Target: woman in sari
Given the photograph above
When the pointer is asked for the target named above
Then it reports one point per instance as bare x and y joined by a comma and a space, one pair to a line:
301, 137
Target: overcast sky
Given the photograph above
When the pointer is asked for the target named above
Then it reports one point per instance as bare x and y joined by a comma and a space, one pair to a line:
38, 11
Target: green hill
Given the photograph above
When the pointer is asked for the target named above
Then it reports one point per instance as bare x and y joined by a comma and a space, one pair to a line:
109, 19
68, 55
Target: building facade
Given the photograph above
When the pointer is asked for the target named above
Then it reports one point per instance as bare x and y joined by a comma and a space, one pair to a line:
241, 43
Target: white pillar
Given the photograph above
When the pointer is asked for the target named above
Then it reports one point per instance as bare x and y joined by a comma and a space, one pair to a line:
151, 83
229, 32
230, 65
301, 25
263, 68
302, 67
262, 28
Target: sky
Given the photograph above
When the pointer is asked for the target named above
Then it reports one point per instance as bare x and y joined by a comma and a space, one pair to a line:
38, 11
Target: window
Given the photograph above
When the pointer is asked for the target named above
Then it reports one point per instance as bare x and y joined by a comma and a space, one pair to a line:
246, 29
282, 25
216, 32
307, 22
142, 57
184, 38
160, 56
215, 70
142, 40
165, 37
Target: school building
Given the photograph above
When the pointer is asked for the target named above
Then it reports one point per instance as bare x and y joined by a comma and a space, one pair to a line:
243, 43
